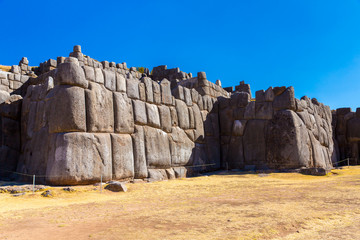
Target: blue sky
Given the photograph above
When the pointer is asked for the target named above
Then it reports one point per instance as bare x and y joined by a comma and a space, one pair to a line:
311, 45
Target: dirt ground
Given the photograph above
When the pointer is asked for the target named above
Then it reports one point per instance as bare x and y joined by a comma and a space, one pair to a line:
223, 206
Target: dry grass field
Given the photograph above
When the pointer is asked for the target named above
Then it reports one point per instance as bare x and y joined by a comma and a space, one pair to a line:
223, 206
5, 68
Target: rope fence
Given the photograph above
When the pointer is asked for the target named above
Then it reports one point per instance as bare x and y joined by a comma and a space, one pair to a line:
35, 176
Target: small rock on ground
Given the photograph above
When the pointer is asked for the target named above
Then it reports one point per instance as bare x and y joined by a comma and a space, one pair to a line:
116, 187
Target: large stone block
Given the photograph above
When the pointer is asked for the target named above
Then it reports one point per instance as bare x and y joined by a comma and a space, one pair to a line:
263, 110
199, 124
254, 142
183, 114
120, 83
181, 148
123, 158
66, 108
287, 141
157, 148
123, 114
148, 89
153, 115
11, 133
165, 118
187, 96
99, 109
140, 166
139, 112
89, 73
157, 93
174, 117
285, 101
226, 121
110, 80
132, 87
71, 74
99, 76
79, 158
166, 97
353, 129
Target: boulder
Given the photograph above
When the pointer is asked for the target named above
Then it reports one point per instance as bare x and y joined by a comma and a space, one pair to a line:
116, 187
178, 92
132, 87
140, 166
99, 76
148, 89
287, 141
260, 96
199, 124
120, 83
250, 111
353, 129
157, 174
142, 93
279, 90
285, 101
181, 148
235, 154
166, 97
79, 158
170, 173
187, 96
71, 74
165, 118
11, 108
152, 115
238, 127
99, 109
157, 148
226, 121
174, 117
269, 95
182, 113
123, 114
157, 93
254, 142
110, 80
122, 156
66, 109
180, 172
4, 96
263, 110
89, 73
139, 112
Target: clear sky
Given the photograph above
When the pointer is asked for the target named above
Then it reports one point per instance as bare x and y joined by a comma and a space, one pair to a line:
313, 45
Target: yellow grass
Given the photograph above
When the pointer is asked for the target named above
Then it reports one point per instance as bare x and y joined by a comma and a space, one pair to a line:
5, 68
230, 206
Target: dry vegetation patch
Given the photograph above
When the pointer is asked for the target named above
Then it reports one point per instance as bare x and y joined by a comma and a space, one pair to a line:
228, 206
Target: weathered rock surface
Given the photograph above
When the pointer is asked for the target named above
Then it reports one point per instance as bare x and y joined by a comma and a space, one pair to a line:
93, 159
122, 156
123, 114
157, 148
99, 109
66, 108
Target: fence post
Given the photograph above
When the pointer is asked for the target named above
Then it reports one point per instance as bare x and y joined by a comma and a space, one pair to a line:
100, 183
33, 188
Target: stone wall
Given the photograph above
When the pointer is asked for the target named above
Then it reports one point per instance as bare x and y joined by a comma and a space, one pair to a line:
81, 119
81, 122
347, 131
275, 131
